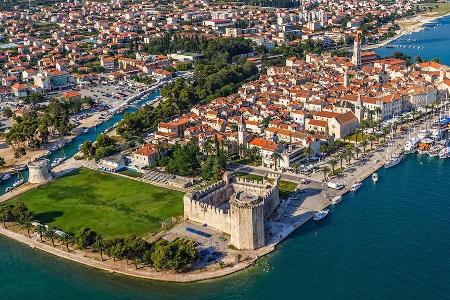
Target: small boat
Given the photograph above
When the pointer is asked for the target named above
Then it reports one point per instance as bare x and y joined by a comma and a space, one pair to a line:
6, 176
18, 182
393, 161
319, 215
9, 188
374, 177
336, 199
444, 153
356, 186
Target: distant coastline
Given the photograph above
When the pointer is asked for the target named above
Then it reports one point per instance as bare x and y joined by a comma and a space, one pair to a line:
419, 20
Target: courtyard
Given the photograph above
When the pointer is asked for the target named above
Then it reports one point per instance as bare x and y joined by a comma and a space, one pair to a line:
109, 204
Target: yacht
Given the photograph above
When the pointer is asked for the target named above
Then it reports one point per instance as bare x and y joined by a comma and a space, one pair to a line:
321, 214
356, 186
423, 134
411, 145
444, 153
374, 177
394, 160
336, 199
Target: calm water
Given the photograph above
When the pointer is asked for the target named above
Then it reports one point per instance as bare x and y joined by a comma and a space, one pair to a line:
390, 240
434, 42
72, 148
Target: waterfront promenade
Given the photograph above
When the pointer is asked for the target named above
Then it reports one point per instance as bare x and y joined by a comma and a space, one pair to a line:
293, 213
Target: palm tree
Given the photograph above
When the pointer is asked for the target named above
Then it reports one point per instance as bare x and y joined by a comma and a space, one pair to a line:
50, 234
27, 225
342, 156
349, 154
323, 148
364, 144
276, 157
325, 171
372, 139
99, 246
66, 239
308, 152
41, 230
333, 164
357, 151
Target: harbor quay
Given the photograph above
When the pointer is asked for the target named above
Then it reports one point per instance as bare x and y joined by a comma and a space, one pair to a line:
312, 195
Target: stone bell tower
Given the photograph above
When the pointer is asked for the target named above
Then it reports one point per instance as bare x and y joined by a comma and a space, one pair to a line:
356, 58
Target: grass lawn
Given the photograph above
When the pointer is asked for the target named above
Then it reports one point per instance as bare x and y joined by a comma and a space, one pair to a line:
360, 136
286, 187
111, 205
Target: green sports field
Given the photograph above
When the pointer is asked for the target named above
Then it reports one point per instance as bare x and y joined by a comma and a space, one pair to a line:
111, 205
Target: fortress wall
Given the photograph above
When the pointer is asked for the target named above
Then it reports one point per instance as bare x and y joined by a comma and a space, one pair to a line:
247, 227
271, 201
203, 213
218, 196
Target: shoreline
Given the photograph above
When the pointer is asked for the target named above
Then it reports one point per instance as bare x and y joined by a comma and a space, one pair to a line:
374, 162
405, 30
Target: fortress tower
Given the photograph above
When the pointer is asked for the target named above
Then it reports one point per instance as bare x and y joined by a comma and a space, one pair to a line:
247, 221
39, 171
356, 58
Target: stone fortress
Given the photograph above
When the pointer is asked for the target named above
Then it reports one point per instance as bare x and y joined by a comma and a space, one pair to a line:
236, 206
39, 171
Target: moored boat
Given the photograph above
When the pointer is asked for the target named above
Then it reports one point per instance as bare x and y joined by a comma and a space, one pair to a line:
321, 214
356, 186
336, 199
393, 161
374, 177
444, 153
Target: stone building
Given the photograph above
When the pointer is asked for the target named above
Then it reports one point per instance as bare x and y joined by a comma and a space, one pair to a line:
39, 171
236, 206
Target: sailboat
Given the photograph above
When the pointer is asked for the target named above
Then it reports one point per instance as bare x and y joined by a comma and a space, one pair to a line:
393, 159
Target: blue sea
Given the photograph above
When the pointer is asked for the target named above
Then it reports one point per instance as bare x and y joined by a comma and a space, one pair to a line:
390, 240
433, 40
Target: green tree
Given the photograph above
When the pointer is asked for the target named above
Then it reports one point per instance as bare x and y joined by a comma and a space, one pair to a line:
5, 214
85, 237
99, 246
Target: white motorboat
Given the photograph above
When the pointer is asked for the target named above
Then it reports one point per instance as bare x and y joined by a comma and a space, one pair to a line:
356, 186
411, 145
6, 176
336, 199
321, 214
444, 153
18, 182
374, 177
423, 134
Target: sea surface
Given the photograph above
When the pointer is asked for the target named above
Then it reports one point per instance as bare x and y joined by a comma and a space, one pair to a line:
71, 148
390, 240
433, 40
